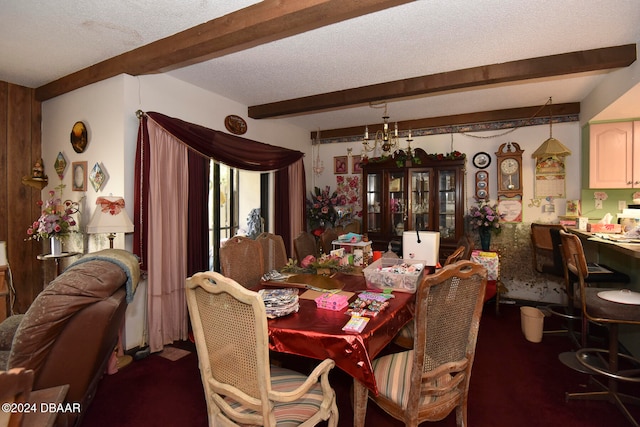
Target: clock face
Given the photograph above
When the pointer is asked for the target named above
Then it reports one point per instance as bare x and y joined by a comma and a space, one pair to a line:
509, 166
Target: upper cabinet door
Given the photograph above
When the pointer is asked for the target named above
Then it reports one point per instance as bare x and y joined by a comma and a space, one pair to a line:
611, 155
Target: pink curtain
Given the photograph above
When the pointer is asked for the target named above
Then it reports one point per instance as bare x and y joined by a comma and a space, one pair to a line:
171, 193
167, 238
297, 194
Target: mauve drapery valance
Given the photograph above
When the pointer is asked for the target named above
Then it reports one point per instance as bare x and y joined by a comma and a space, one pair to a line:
232, 150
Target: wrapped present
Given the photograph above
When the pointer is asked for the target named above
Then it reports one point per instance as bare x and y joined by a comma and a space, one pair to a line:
490, 261
332, 301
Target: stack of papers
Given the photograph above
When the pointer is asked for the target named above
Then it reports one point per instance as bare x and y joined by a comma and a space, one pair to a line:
280, 302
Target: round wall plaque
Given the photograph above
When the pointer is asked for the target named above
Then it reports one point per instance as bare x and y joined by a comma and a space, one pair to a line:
235, 124
79, 137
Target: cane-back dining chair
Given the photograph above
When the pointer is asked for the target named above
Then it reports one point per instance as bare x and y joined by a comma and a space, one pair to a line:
404, 338
15, 388
304, 245
241, 387
274, 253
241, 260
428, 382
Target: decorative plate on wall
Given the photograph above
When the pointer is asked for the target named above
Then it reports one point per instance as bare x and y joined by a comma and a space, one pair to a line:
235, 124
79, 137
481, 160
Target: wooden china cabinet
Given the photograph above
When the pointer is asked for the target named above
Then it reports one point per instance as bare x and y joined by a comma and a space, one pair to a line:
422, 192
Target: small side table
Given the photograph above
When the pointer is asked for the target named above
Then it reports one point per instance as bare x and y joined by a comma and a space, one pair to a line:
57, 258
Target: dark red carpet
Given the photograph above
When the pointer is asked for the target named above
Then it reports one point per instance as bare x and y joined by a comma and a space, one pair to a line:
514, 383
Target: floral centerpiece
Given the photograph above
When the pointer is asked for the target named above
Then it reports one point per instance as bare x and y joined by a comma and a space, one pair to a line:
55, 221
321, 207
486, 219
313, 265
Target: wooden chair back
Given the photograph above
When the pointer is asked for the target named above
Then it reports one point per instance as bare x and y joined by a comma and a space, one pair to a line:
15, 388
241, 259
303, 245
466, 241
455, 256
274, 253
328, 236
543, 248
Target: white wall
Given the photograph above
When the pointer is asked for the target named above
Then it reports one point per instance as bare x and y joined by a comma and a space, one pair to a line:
613, 99
108, 109
529, 138
100, 107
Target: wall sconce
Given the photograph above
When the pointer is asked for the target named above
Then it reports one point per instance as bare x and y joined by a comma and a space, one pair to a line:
110, 217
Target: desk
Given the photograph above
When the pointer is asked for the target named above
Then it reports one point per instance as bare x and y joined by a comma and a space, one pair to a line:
317, 333
627, 249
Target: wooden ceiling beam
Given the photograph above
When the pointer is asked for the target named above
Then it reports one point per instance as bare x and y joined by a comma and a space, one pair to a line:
541, 67
254, 25
523, 113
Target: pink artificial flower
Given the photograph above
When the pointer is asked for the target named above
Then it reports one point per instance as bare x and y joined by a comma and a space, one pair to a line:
307, 261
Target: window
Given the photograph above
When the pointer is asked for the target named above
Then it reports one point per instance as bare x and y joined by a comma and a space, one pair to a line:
233, 194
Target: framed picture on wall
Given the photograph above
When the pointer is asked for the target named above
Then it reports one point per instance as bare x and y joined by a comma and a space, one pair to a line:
356, 164
79, 176
340, 165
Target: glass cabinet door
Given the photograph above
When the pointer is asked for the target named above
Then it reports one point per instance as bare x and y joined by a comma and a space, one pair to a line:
397, 202
374, 198
447, 203
420, 200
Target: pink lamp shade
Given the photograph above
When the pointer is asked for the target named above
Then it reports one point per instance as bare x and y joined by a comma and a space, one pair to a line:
110, 217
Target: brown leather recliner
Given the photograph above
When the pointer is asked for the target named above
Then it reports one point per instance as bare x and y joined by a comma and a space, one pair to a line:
71, 329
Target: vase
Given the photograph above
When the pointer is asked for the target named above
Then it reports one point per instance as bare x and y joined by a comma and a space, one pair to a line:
485, 238
56, 246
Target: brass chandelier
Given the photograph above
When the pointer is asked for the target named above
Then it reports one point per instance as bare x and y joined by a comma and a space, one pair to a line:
387, 140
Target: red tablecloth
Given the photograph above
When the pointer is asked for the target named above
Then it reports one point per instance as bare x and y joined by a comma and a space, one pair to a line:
318, 333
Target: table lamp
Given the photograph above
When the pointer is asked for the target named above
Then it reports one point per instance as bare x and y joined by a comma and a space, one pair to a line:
110, 217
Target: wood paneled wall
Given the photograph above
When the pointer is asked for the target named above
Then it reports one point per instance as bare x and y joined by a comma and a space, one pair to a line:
20, 146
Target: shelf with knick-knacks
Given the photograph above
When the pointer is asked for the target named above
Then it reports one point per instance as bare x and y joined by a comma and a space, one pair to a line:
37, 179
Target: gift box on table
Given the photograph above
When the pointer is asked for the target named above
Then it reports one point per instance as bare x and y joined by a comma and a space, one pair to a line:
400, 275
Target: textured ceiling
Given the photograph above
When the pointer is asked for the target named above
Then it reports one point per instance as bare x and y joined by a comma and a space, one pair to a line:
43, 41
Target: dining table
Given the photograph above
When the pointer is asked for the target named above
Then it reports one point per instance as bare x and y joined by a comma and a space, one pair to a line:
317, 333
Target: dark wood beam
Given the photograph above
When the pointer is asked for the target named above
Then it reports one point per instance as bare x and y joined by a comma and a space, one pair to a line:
523, 113
260, 23
541, 67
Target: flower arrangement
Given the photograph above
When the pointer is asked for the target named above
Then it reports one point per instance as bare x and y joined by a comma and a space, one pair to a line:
55, 220
321, 207
313, 265
485, 217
